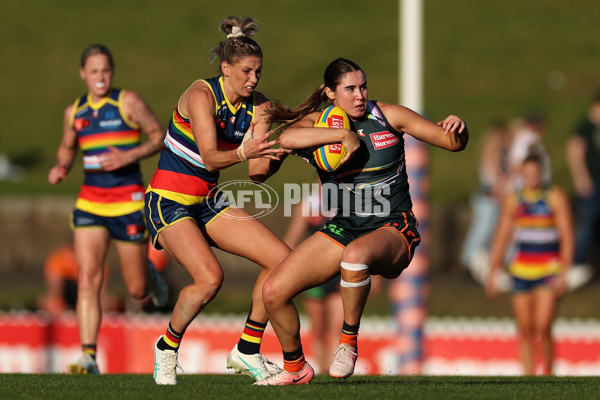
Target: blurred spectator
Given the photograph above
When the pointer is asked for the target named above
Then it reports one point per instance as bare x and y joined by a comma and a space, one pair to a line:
583, 156
485, 202
538, 216
60, 276
525, 139
528, 139
322, 304
8, 170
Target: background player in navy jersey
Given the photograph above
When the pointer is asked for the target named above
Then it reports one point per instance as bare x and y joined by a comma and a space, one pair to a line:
106, 123
360, 240
218, 122
538, 219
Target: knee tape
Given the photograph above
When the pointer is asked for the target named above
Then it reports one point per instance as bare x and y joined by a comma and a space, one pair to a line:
354, 275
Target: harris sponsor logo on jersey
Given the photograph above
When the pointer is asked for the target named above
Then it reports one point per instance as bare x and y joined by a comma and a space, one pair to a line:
384, 139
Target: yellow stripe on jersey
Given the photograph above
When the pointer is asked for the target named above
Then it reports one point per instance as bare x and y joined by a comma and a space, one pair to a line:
109, 209
529, 272
181, 198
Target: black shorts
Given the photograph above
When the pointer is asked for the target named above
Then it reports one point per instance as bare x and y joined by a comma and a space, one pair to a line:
345, 229
323, 290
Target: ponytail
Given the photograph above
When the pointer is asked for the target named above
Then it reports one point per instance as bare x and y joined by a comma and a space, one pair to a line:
280, 114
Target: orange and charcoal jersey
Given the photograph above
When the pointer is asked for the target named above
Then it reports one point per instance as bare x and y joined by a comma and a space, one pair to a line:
61, 263
158, 258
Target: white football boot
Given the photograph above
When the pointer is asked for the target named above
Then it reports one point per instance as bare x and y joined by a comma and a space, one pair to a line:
85, 365
343, 362
165, 366
253, 365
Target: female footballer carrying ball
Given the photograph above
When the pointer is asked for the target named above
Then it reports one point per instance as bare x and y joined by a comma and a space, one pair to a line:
374, 231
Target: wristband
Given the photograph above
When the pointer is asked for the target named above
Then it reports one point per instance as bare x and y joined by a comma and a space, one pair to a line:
240, 152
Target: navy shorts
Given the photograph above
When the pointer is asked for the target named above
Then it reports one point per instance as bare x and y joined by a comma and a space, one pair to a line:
124, 228
526, 285
162, 212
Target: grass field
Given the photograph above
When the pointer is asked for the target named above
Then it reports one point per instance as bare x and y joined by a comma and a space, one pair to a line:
217, 387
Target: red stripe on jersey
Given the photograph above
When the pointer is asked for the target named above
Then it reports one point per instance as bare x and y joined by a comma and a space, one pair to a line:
536, 258
117, 194
181, 183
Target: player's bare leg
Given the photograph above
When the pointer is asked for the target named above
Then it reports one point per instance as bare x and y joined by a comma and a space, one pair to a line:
237, 232
382, 251
186, 244
91, 246
298, 272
